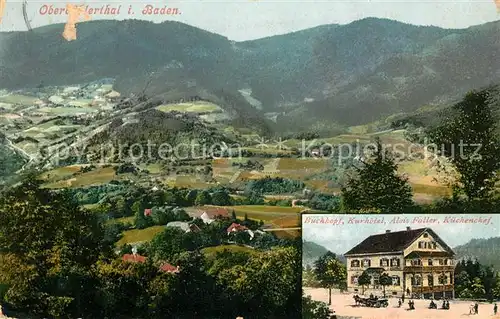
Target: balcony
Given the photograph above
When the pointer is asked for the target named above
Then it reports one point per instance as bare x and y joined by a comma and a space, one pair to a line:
434, 269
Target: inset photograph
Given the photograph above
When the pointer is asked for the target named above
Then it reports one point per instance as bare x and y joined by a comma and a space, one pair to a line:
401, 266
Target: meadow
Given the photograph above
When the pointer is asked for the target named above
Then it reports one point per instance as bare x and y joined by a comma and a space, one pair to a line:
193, 107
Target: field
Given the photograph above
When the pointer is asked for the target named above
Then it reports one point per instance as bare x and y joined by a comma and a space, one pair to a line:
67, 110
194, 107
188, 181
211, 251
98, 176
275, 216
123, 220
139, 235
18, 99
60, 172
155, 168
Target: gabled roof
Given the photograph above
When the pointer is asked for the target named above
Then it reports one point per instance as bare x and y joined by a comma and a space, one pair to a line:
134, 258
206, 219
393, 242
166, 267
236, 227
214, 211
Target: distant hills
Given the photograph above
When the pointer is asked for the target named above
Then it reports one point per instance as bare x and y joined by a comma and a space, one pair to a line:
486, 251
312, 251
321, 78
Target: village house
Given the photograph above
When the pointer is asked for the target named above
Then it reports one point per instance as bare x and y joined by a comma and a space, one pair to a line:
419, 262
186, 227
234, 228
164, 266
211, 213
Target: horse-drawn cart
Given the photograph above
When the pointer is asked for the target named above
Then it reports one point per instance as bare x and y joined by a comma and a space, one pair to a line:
371, 302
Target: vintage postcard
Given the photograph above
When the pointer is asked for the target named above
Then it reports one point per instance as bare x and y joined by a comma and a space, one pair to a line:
156, 157
403, 266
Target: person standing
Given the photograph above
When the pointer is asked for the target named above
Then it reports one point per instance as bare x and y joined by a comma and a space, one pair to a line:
495, 309
403, 298
476, 308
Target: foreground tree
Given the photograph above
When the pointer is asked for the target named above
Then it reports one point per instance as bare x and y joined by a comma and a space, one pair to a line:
364, 280
385, 280
48, 246
312, 309
335, 276
326, 268
266, 284
470, 140
378, 186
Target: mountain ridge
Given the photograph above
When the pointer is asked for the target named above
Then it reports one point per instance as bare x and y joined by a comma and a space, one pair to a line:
371, 67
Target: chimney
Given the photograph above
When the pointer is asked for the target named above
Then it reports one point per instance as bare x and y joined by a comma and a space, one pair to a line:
408, 228
387, 231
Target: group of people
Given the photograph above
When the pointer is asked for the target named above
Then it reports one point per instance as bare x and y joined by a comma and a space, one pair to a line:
445, 305
411, 304
474, 309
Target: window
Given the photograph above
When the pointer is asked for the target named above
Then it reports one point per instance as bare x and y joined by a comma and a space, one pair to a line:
416, 280
366, 263
443, 279
376, 280
434, 245
396, 281
430, 280
429, 262
395, 262
416, 262
426, 235
355, 263
384, 262
441, 262
420, 244
446, 262
354, 280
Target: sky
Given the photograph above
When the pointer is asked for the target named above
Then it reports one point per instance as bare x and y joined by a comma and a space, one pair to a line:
340, 238
251, 19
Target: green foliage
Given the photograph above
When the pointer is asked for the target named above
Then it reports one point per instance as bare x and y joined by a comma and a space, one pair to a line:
336, 274
203, 198
48, 246
312, 309
241, 237
11, 161
276, 185
325, 202
166, 214
385, 280
378, 186
221, 198
364, 280
474, 280
470, 141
